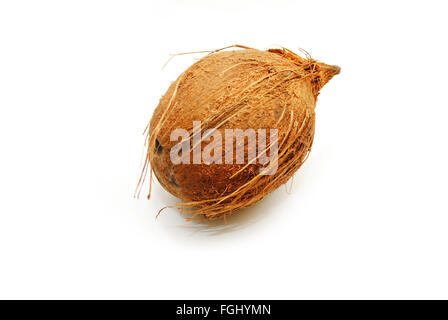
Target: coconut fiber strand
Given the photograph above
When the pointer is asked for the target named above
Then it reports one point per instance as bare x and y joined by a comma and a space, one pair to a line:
240, 89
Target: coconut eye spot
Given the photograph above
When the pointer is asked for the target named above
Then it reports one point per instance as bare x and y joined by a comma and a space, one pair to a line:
173, 180
158, 147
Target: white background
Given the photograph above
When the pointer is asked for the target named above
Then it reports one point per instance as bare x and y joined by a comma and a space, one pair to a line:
368, 213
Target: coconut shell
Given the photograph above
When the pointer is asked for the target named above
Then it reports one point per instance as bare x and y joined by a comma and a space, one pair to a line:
240, 89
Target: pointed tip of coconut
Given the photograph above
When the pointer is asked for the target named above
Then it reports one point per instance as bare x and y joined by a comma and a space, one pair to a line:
325, 73
335, 69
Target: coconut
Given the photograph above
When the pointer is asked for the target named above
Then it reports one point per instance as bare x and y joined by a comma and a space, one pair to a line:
240, 89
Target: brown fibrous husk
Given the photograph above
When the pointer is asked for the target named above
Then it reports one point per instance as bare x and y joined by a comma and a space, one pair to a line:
238, 89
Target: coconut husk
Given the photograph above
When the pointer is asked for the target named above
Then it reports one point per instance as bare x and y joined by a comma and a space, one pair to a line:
238, 89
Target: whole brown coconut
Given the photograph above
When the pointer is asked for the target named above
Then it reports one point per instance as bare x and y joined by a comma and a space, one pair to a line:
241, 89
